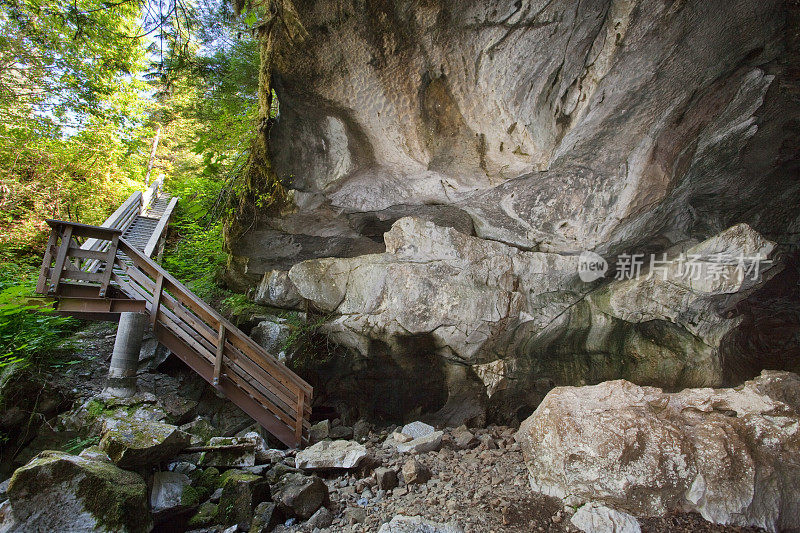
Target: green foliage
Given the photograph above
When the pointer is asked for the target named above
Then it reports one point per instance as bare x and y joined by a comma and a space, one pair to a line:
306, 342
62, 61
28, 333
94, 410
71, 137
77, 444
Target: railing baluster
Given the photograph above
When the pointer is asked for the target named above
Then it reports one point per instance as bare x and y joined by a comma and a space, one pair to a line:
110, 256
61, 259
156, 300
220, 352
265, 388
298, 430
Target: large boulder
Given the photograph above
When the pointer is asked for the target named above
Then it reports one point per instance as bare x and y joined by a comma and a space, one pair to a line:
167, 491
730, 454
132, 444
61, 492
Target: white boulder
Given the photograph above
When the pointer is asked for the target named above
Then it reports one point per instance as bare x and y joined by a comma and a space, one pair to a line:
732, 455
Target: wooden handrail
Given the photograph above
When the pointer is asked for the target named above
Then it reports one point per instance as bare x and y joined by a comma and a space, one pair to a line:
216, 349
151, 192
160, 227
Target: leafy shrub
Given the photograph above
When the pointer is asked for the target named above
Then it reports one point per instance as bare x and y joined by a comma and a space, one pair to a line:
28, 332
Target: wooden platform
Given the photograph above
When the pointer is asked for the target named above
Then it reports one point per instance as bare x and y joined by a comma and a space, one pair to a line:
112, 272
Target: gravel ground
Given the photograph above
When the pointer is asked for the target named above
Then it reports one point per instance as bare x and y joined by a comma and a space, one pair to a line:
483, 490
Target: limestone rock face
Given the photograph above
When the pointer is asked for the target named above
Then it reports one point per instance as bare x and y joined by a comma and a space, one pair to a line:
554, 124
450, 160
730, 454
61, 492
504, 313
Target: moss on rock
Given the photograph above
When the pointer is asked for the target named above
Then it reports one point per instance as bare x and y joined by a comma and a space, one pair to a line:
204, 516
57, 491
142, 443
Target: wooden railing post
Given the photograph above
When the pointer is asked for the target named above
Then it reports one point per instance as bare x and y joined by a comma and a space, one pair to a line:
219, 354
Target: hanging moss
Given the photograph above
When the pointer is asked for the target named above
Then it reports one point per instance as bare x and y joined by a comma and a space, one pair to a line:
258, 192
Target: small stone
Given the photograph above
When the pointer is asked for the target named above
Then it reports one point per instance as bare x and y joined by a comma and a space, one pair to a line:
95, 453
597, 518
216, 495
263, 454
182, 467
417, 524
487, 442
355, 515
464, 439
428, 443
415, 472
401, 437
201, 430
361, 430
386, 478
321, 519
266, 516
319, 431
341, 432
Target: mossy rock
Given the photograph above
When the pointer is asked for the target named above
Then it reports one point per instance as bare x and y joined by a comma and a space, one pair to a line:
135, 444
201, 430
205, 516
241, 493
208, 478
233, 474
57, 491
204, 482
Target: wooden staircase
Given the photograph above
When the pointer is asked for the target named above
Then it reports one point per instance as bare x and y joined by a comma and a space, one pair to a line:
112, 272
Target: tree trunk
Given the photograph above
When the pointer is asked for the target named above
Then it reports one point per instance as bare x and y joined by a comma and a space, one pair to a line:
152, 159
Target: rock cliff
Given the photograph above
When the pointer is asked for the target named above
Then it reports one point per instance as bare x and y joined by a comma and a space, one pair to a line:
450, 161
